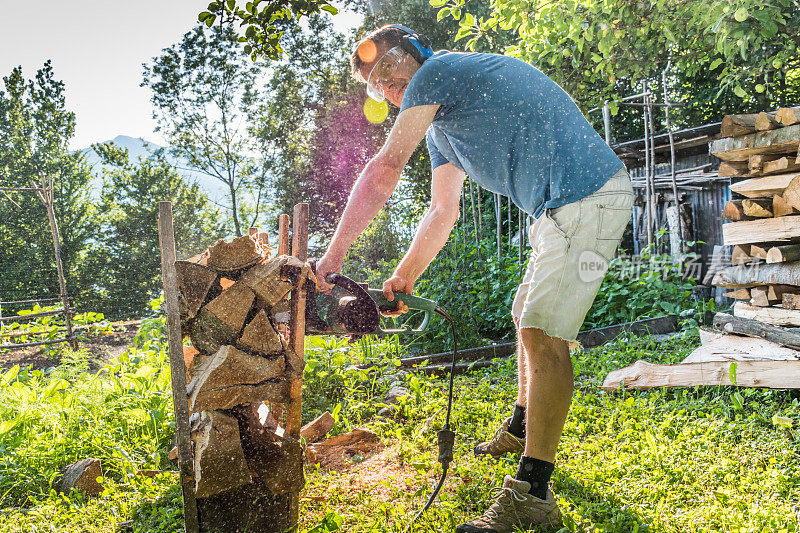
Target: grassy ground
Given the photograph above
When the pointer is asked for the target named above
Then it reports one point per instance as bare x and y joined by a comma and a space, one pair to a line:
662, 460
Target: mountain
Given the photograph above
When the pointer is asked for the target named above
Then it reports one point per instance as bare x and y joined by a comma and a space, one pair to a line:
138, 147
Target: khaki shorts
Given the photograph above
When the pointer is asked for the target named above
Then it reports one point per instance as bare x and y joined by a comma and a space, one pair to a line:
571, 248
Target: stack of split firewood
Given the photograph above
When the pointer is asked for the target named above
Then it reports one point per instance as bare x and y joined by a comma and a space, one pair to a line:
232, 297
763, 226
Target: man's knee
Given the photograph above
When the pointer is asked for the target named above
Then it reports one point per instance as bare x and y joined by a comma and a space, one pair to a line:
538, 343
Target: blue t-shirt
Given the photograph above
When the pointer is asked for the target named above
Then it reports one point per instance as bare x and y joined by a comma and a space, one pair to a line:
511, 128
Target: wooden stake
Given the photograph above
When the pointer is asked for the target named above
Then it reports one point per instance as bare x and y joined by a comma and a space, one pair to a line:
166, 238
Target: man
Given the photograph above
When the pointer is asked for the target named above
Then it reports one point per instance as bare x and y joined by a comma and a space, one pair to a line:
517, 133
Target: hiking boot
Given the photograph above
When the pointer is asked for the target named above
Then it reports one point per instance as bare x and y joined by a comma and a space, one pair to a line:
515, 509
502, 443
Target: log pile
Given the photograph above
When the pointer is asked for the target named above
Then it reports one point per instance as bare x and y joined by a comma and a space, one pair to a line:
240, 366
759, 265
763, 220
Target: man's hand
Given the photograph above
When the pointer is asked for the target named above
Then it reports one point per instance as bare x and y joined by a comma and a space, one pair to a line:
394, 284
327, 265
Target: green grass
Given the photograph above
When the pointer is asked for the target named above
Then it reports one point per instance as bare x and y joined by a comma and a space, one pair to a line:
673, 460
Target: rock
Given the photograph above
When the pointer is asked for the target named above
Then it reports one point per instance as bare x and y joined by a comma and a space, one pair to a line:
81, 476
394, 393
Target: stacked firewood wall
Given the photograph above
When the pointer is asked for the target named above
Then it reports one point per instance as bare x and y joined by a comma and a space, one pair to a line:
763, 218
240, 366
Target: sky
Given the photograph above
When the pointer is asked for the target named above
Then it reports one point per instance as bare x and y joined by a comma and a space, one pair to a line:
97, 48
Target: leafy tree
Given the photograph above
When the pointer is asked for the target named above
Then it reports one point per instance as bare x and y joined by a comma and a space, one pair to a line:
35, 128
127, 261
206, 92
263, 27
602, 49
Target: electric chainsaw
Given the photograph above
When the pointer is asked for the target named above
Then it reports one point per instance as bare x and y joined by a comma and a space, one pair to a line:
352, 308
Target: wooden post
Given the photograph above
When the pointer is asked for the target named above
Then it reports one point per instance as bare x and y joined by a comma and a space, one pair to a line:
46, 196
169, 275
297, 339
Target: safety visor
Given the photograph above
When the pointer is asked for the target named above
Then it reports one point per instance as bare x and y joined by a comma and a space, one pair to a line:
382, 72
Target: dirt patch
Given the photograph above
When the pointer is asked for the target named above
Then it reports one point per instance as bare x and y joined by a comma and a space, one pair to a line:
102, 348
381, 474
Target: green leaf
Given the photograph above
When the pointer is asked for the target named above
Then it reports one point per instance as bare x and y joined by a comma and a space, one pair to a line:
738, 91
738, 401
715, 64
203, 16
741, 14
437, 3
330, 9
444, 12
782, 421
469, 20
457, 14
732, 372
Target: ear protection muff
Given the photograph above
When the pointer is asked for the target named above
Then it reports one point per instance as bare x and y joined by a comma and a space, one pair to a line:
416, 44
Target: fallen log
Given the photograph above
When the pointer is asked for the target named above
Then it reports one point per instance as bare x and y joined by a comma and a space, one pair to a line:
644, 375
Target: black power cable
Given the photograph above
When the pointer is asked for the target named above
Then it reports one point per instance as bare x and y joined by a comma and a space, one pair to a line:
445, 437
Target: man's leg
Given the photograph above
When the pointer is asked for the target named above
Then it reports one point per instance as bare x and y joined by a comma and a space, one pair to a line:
519, 419
550, 381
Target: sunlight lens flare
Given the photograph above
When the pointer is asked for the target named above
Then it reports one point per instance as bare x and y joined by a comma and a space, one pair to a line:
367, 51
376, 112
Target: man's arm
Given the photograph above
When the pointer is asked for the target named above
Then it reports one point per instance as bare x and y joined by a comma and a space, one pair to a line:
432, 232
375, 185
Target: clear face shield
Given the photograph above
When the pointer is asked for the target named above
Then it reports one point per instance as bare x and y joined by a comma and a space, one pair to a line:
382, 72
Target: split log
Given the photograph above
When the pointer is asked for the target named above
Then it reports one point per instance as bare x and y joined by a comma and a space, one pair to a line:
759, 250
738, 125
791, 301
757, 207
266, 280
219, 462
208, 333
644, 375
771, 315
741, 255
81, 477
232, 307
782, 164
788, 116
767, 295
733, 169
232, 377
735, 277
734, 211
755, 163
753, 328
337, 452
766, 121
762, 230
784, 253
779, 141
791, 194
240, 253
719, 346
738, 294
762, 187
781, 208
318, 428
261, 336
194, 282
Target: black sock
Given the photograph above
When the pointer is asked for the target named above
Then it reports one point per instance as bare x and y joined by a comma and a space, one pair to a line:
537, 473
517, 425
